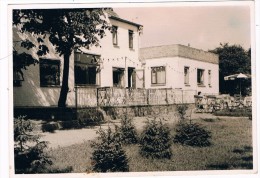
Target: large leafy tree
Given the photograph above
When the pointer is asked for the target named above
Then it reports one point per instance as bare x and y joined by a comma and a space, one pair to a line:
233, 59
66, 29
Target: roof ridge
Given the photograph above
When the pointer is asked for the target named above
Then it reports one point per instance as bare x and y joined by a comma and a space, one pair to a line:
178, 50
160, 46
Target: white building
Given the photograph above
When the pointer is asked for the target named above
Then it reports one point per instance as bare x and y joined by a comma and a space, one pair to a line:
111, 65
181, 67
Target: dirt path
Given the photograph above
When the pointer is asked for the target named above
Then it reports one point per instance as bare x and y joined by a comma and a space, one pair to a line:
69, 137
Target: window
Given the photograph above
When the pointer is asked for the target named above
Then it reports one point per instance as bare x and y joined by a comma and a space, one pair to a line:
17, 77
131, 39
86, 70
118, 77
186, 75
158, 75
200, 76
114, 35
209, 77
49, 72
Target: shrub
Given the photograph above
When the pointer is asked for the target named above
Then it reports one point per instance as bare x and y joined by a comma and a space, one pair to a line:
240, 112
128, 133
108, 155
88, 117
192, 134
29, 152
156, 141
72, 124
50, 127
182, 109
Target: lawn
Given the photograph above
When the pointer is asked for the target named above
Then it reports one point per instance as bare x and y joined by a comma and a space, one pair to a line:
231, 149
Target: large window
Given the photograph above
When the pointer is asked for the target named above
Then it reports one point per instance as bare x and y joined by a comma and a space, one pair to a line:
118, 77
86, 69
49, 72
158, 75
200, 76
114, 35
186, 75
131, 39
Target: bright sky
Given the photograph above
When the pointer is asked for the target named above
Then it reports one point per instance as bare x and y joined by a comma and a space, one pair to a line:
201, 27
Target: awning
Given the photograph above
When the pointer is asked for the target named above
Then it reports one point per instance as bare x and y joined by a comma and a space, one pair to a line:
237, 76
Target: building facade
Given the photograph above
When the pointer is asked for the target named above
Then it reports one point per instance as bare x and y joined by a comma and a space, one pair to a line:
113, 64
118, 63
181, 67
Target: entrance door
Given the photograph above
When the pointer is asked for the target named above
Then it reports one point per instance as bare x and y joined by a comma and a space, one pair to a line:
131, 77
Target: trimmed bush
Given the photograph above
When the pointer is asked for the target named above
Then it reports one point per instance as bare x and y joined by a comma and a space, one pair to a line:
156, 141
240, 112
192, 134
73, 124
29, 152
128, 133
108, 155
90, 117
50, 127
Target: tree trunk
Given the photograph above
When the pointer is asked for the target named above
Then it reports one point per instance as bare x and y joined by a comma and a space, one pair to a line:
65, 81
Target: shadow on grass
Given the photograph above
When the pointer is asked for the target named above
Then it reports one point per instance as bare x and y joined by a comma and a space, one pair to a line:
244, 160
68, 169
239, 151
244, 150
223, 166
247, 158
246, 165
211, 119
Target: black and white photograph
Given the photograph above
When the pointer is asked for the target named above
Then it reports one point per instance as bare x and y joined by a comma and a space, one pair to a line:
163, 88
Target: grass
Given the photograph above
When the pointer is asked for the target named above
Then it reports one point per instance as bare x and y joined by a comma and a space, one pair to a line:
231, 149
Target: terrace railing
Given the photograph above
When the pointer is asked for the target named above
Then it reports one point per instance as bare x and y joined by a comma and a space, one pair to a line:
111, 96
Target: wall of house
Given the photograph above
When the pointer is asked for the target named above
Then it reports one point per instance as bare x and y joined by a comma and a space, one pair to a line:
32, 94
120, 56
175, 74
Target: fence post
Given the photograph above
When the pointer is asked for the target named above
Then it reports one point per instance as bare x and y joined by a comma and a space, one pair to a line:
76, 101
182, 96
97, 97
147, 96
166, 99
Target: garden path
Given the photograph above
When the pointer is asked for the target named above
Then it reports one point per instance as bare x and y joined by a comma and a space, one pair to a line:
64, 138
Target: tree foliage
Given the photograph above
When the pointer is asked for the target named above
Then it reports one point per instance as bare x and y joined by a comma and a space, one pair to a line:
128, 132
66, 29
108, 154
29, 152
233, 59
22, 61
182, 110
192, 134
156, 141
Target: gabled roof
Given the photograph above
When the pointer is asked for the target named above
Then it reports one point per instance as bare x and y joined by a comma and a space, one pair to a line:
176, 50
113, 15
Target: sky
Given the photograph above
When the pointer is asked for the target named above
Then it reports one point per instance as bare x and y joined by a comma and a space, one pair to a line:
202, 27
